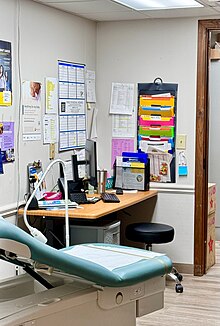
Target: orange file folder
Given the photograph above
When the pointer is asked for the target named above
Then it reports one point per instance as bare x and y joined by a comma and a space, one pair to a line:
163, 112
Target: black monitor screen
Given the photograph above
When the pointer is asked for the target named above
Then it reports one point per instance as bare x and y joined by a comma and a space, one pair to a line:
91, 159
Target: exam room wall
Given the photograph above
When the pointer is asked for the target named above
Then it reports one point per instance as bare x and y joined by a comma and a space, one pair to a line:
46, 35
138, 52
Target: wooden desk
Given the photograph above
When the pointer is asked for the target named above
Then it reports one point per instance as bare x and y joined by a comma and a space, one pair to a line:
99, 209
89, 214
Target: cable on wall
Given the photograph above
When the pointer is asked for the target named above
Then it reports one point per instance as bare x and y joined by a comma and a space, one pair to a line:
18, 10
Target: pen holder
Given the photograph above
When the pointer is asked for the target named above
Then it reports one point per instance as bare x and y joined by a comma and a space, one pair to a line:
102, 177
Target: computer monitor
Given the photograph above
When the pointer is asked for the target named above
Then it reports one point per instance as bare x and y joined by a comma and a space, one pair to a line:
90, 164
91, 161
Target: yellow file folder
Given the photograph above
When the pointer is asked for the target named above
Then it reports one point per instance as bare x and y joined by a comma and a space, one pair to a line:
146, 100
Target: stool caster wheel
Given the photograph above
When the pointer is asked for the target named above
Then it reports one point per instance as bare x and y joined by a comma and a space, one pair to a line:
179, 288
179, 276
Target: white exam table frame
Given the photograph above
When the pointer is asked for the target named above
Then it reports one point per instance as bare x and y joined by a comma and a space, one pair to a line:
125, 283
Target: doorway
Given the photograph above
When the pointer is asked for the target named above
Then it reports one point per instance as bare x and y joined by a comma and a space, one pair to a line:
205, 27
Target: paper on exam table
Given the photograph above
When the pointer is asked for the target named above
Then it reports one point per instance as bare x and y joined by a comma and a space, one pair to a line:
110, 257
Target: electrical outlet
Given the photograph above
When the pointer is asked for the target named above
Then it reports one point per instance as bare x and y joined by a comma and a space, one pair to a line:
181, 142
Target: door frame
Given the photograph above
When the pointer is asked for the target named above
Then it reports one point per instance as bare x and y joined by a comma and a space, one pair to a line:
202, 144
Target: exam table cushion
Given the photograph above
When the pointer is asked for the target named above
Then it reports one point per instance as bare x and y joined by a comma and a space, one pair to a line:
103, 264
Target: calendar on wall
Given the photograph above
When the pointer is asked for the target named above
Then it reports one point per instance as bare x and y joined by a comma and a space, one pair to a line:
72, 105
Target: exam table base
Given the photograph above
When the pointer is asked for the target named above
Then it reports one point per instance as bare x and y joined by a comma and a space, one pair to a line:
23, 303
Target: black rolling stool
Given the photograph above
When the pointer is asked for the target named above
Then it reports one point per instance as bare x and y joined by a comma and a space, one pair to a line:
154, 233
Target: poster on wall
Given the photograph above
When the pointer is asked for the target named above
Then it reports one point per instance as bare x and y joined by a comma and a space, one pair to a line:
7, 142
5, 74
72, 105
31, 110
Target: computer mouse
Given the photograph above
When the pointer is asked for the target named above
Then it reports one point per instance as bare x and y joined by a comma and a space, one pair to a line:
119, 191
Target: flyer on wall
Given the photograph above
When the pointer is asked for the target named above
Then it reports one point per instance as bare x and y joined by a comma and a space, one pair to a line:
7, 142
31, 110
5, 74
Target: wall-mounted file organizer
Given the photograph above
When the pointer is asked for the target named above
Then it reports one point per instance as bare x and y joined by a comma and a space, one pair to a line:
156, 131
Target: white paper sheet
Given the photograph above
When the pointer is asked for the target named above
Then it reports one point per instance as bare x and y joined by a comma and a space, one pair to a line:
123, 126
50, 129
110, 257
90, 85
122, 98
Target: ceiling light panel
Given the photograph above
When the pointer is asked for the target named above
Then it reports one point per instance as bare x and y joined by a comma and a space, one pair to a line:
159, 4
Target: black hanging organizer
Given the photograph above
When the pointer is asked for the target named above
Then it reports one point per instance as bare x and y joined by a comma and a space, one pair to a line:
153, 112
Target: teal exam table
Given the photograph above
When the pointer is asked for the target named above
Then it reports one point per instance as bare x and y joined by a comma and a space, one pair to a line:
82, 285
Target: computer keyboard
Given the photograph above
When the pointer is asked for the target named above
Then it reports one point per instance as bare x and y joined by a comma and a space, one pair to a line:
81, 198
78, 197
109, 198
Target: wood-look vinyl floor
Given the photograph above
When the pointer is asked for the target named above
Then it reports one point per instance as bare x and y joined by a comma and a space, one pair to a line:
199, 304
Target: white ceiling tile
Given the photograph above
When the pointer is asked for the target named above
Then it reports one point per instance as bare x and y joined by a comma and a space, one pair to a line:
175, 13
113, 16
91, 7
101, 10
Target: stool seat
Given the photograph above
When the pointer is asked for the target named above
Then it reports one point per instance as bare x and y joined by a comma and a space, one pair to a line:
154, 233
149, 233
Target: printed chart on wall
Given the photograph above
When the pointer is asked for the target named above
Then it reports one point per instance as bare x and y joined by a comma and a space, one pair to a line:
72, 108
50, 120
5, 74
